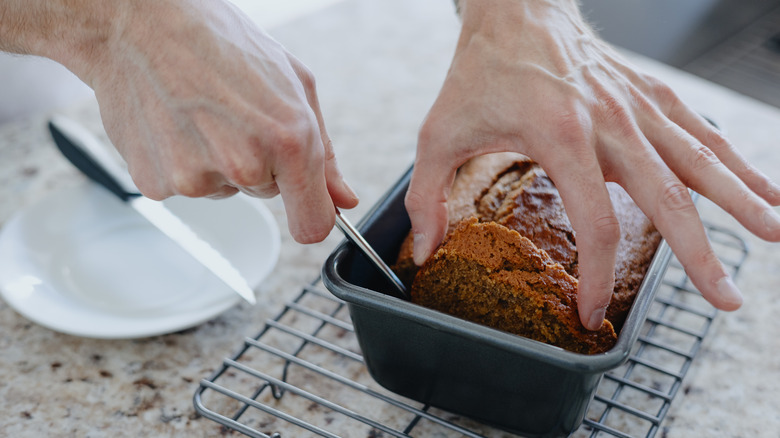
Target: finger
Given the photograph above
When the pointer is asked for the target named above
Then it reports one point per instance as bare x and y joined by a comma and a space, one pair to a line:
145, 172
148, 182
266, 191
698, 167
426, 198
341, 193
224, 192
299, 173
668, 204
583, 190
712, 138
310, 211
171, 175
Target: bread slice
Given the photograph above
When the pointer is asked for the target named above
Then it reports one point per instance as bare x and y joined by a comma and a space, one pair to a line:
491, 275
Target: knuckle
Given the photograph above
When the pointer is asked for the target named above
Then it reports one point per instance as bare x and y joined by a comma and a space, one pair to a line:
222, 193
292, 140
706, 258
189, 184
571, 134
417, 202
642, 102
573, 126
675, 197
612, 106
266, 191
615, 112
606, 230
661, 91
747, 199
750, 173
243, 172
414, 201
603, 237
703, 158
153, 192
715, 139
152, 188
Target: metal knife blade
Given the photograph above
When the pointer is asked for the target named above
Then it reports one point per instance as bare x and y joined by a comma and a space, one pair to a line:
352, 233
84, 150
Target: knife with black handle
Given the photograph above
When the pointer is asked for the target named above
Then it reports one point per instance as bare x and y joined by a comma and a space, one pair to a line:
84, 150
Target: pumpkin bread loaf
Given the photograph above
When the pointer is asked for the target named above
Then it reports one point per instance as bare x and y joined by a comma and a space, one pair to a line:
509, 260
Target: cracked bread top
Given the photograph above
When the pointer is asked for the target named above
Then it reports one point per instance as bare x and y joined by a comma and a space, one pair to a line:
512, 190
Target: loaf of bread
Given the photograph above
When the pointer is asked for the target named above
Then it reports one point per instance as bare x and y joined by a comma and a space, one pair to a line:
509, 259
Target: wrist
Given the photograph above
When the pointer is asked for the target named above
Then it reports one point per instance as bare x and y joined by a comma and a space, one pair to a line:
542, 32
513, 16
72, 33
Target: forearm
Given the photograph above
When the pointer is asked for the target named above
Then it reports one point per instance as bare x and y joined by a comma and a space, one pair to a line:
570, 5
509, 17
550, 31
68, 31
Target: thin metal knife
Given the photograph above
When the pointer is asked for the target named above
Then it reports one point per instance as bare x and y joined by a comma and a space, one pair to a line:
355, 237
84, 150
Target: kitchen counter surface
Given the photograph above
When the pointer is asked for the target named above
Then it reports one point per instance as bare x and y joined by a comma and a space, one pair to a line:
379, 66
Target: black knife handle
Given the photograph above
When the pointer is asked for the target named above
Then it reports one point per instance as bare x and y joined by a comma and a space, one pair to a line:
88, 163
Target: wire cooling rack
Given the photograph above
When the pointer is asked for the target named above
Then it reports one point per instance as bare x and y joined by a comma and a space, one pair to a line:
303, 374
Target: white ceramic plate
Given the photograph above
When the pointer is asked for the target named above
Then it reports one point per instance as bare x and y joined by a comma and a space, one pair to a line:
83, 263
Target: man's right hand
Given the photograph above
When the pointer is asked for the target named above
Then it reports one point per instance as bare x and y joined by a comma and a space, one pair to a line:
201, 102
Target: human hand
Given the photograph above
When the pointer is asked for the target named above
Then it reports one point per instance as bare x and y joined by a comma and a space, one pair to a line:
201, 102
529, 76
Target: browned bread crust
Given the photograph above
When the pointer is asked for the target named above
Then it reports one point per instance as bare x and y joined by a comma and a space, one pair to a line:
513, 191
491, 275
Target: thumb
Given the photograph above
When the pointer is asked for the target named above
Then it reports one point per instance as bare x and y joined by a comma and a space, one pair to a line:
426, 202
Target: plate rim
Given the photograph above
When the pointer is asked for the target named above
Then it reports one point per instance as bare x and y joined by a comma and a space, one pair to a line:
133, 328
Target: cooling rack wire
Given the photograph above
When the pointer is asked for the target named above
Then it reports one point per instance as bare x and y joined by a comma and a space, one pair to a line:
307, 361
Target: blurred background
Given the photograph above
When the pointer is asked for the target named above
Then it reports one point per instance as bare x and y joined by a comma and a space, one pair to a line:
30, 84
735, 43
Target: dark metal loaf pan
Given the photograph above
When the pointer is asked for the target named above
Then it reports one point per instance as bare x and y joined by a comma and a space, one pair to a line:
514, 383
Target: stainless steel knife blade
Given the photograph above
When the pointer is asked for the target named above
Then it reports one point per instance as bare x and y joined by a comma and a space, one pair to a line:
84, 150
352, 233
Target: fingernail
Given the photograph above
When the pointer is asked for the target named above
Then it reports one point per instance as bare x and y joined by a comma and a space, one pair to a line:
351, 191
597, 319
771, 220
774, 189
729, 294
420, 242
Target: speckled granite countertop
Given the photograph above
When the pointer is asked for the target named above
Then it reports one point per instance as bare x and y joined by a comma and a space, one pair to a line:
376, 79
